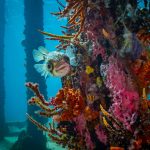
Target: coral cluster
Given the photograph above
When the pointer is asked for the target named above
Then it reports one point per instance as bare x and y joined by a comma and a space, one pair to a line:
71, 101
104, 102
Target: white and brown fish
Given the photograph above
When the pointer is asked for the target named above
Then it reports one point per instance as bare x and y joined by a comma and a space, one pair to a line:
54, 63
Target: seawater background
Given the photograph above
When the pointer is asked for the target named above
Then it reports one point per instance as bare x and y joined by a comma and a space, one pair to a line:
16, 102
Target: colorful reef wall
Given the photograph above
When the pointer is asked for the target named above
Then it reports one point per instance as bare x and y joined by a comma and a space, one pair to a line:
103, 60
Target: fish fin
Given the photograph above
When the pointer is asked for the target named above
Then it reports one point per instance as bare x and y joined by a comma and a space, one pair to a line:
40, 54
72, 58
69, 52
43, 50
42, 69
73, 61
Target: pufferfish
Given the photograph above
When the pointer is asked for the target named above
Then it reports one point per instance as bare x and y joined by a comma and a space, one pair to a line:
54, 63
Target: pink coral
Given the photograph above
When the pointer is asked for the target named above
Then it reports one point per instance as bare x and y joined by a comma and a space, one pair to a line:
82, 130
88, 140
101, 134
80, 124
125, 98
98, 49
94, 34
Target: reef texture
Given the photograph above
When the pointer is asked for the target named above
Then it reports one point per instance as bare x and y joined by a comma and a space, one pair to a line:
104, 102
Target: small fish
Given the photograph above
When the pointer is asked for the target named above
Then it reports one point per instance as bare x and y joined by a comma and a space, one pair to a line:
55, 63
127, 43
131, 45
89, 70
91, 98
99, 81
105, 33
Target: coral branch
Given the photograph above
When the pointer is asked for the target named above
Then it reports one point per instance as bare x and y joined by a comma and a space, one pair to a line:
35, 88
63, 37
40, 126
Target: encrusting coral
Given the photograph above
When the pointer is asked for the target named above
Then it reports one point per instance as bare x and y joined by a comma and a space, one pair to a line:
104, 100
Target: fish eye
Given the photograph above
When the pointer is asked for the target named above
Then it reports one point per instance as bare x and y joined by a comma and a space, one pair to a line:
66, 59
50, 66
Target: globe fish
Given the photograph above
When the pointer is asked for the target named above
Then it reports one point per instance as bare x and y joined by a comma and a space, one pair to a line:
54, 63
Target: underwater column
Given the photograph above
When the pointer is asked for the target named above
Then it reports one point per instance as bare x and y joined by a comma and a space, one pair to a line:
2, 89
33, 11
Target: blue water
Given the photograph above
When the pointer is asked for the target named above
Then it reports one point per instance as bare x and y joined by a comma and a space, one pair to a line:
16, 103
